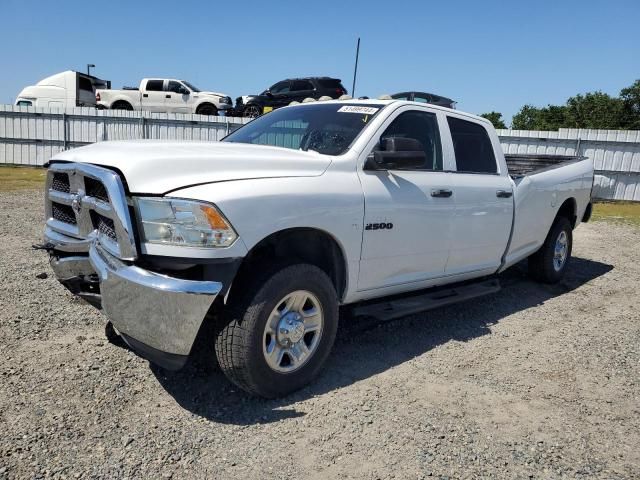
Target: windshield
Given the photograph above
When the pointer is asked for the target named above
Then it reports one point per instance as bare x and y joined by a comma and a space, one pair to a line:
328, 128
191, 87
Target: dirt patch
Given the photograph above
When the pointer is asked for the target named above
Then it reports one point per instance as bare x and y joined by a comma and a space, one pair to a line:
533, 382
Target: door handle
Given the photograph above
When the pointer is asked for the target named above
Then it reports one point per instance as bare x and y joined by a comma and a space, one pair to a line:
504, 193
145, 95
441, 193
167, 96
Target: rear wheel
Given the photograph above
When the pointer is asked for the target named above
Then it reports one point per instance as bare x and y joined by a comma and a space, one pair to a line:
277, 338
120, 105
549, 264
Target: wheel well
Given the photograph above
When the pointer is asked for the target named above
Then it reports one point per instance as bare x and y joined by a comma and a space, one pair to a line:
304, 245
121, 102
205, 104
569, 210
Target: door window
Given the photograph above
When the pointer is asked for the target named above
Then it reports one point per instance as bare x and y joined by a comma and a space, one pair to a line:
299, 85
24, 103
472, 147
154, 85
421, 126
175, 87
280, 87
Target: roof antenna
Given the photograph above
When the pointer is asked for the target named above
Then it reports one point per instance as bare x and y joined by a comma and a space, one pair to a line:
355, 70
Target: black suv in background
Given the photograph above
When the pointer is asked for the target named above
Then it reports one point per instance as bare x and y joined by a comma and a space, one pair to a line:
285, 92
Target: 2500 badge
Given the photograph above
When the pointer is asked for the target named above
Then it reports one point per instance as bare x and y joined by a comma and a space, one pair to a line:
378, 226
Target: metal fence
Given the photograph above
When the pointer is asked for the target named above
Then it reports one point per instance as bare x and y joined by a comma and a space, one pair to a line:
615, 154
30, 136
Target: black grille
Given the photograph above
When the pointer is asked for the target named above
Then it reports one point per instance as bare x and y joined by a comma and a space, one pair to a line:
104, 225
60, 182
63, 213
95, 188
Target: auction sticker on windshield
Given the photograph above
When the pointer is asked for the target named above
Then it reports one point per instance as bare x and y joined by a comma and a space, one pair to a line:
357, 109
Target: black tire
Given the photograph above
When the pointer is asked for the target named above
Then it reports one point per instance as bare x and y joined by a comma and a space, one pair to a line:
252, 111
207, 109
541, 263
239, 344
121, 105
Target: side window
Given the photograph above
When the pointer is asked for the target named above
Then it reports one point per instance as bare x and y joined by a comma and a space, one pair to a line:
421, 99
472, 147
280, 87
174, 86
154, 85
422, 126
84, 83
301, 85
24, 103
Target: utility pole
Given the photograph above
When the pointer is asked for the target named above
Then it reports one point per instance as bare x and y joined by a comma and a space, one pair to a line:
89, 67
355, 70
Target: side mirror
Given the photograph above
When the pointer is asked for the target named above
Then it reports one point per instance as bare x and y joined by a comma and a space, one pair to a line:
184, 91
397, 153
268, 93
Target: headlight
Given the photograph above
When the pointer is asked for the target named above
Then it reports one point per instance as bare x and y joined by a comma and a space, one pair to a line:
172, 221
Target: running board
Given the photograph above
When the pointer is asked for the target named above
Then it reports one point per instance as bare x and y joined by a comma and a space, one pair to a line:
399, 307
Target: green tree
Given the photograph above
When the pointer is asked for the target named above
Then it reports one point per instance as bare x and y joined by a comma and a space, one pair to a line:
495, 118
631, 105
526, 118
595, 110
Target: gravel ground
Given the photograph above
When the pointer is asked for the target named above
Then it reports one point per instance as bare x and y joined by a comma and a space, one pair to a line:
533, 382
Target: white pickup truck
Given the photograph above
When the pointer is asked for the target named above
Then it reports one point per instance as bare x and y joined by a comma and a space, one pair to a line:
164, 95
390, 207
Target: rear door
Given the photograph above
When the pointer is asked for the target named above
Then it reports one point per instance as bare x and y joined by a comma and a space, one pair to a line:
483, 199
153, 96
301, 89
407, 231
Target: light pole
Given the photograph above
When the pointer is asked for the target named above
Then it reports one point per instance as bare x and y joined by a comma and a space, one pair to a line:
89, 67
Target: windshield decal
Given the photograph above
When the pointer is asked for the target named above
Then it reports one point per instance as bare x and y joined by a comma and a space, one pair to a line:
357, 109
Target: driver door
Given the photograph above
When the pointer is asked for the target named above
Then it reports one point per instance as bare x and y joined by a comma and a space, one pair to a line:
280, 94
175, 100
408, 214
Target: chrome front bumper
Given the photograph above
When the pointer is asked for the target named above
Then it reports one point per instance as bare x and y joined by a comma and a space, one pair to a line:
157, 315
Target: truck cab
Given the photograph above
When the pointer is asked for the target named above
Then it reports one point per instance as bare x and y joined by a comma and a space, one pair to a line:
63, 90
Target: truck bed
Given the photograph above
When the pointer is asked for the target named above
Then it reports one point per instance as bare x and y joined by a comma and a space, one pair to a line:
523, 164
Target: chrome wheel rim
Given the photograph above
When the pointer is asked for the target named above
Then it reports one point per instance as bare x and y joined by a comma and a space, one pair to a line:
293, 331
252, 112
560, 251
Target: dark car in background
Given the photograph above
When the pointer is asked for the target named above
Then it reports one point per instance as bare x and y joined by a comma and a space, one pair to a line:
287, 91
424, 97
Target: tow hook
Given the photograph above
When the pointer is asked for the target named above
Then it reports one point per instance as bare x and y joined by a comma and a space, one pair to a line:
49, 247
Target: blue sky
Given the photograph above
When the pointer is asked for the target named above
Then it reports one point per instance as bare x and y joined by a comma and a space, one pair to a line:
487, 55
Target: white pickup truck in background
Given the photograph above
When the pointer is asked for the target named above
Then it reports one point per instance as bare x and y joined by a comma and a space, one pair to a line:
164, 95
390, 207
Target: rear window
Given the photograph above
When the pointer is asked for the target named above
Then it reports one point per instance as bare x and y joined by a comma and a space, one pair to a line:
472, 147
154, 85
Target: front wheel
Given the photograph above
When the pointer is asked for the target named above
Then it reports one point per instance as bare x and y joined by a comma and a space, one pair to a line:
549, 264
252, 111
278, 337
207, 109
